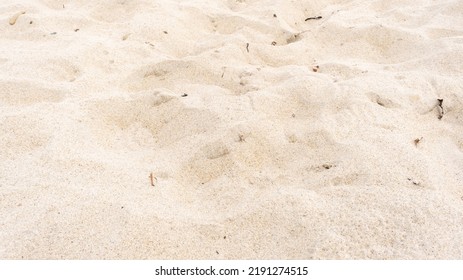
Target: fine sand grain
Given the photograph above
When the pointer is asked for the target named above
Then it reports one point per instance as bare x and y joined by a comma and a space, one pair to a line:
270, 129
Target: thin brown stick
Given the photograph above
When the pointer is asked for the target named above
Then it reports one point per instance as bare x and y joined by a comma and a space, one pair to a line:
152, 178
310, 18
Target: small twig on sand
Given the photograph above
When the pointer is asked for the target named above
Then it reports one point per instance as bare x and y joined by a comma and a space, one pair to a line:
14, 18
310, 18
247, 47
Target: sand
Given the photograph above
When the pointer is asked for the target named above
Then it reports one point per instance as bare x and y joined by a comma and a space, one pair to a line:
269, 136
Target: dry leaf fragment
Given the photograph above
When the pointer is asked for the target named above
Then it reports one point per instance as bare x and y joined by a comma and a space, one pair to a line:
152, 179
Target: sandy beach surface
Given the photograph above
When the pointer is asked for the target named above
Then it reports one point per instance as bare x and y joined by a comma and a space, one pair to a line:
270, 129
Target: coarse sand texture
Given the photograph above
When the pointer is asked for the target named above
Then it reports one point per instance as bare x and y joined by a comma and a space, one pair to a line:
231, 129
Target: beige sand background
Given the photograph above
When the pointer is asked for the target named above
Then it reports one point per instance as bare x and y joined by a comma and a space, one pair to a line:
264, 158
